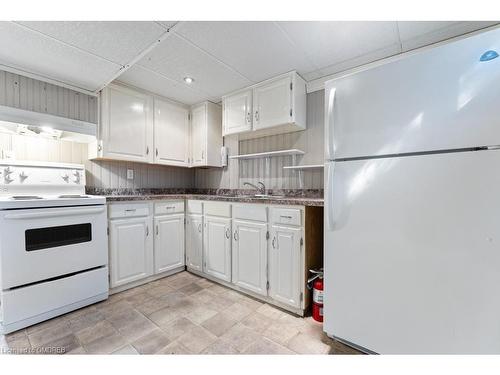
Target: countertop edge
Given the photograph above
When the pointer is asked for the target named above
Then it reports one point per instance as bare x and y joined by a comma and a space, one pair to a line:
290, 201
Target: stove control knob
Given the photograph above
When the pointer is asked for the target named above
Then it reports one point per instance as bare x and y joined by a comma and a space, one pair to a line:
23, 176
77, 176
65, 177
6, 174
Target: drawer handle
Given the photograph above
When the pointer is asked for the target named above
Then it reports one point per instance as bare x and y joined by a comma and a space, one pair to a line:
131, 210
170, 207
285, 216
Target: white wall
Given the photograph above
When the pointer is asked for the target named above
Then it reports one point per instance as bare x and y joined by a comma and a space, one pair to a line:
311, 141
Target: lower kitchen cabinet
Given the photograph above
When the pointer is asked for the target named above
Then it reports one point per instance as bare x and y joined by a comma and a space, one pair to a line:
194, 242
285, 258
169, 242
249, 256
131, 250
217, 247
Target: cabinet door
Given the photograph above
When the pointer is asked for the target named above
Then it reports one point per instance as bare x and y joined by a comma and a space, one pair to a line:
272, 103
199, 134
127, 127
237, 113
171, 138
250, 256
194, 242
169, 242
284, 265
131, 250
217, 249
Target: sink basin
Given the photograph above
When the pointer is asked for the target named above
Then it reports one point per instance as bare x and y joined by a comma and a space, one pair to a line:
268, 196
255, 196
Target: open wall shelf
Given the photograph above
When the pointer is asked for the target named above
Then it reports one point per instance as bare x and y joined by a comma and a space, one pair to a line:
269, 154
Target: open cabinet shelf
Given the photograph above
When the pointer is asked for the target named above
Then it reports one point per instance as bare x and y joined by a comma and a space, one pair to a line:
269, 154
304, 167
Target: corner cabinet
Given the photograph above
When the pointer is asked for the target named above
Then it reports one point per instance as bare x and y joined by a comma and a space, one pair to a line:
206, 139
126, 125
275, 106
171, 133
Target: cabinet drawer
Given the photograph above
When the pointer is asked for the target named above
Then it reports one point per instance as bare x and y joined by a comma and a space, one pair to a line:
194, 207
169, 207
254, 212
287, 216
128, 209
217, 209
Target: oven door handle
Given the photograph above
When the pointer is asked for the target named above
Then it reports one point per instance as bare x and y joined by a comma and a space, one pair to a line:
43, 215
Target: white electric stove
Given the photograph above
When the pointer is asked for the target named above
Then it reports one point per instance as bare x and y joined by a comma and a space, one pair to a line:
53, 243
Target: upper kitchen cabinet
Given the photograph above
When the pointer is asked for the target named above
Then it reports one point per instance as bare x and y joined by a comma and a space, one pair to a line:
126, 125
237, 113
206, 135
171, 133
275, 106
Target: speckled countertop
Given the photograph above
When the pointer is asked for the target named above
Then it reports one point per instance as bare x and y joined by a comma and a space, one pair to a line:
296, 197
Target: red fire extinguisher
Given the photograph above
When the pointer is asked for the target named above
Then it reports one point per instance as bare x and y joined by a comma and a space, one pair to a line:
317, 288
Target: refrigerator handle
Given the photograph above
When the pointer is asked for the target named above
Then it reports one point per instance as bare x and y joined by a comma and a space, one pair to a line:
329, 117
329, 198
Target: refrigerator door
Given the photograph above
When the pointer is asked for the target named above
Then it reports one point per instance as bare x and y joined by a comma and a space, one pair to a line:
438, 99
412, 253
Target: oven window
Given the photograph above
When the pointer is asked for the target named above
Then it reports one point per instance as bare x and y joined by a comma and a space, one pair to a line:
45, 238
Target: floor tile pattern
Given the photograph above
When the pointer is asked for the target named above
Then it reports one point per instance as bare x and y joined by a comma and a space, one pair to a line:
179, 314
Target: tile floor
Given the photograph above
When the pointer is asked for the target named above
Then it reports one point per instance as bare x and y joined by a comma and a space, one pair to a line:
180, 314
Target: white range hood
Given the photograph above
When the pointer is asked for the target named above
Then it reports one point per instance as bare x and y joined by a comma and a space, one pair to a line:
15, 120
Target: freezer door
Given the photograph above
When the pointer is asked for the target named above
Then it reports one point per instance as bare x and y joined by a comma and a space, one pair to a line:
437, 99
412, 253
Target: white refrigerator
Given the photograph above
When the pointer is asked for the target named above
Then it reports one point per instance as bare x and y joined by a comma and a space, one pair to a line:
412, 202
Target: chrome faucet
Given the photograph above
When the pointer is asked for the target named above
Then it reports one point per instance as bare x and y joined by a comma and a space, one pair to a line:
261, 188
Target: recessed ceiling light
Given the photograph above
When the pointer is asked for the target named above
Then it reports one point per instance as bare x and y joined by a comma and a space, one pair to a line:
188, 80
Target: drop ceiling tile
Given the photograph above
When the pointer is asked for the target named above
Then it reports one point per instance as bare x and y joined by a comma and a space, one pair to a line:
167, 24
258, 50
336, 43
35, 53
361, 60
415, 34
118, 41
175, 59
155, 83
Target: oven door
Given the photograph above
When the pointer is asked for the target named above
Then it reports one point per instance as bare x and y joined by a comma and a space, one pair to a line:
44, 243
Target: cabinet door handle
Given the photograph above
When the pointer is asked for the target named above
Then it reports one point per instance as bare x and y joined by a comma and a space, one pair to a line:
156, 152
257, 116
157, 230
147, 230
147, 150
131, 210
236, 236
228, 233
274, 242
248, 117
285, 216
202, 154
199, 227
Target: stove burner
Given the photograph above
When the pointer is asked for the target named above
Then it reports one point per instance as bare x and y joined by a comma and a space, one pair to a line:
73, 196
25, 197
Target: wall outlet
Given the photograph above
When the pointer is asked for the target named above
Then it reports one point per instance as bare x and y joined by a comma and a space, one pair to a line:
130, 174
